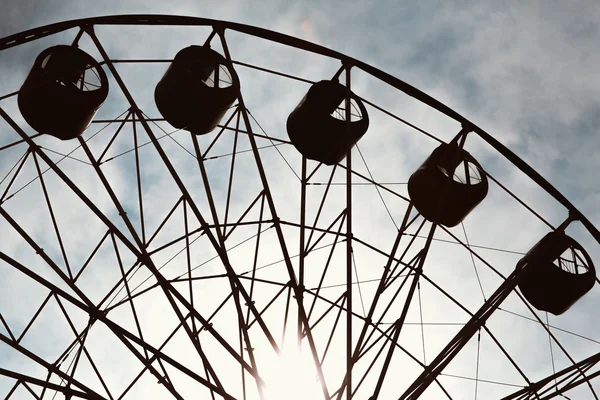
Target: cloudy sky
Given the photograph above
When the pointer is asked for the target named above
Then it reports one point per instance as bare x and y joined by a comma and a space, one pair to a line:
527, 74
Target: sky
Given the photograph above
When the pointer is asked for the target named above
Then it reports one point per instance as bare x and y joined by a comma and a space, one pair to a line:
526, 73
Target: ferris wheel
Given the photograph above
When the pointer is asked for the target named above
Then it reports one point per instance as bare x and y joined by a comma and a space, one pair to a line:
211, 210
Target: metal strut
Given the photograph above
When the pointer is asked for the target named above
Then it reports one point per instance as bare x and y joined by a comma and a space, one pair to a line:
551, 385
478, 320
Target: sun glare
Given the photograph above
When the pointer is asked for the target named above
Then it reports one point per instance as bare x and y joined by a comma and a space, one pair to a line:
292, 376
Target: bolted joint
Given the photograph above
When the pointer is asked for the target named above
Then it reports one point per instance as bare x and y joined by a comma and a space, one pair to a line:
89, 29
348, 64
219, 28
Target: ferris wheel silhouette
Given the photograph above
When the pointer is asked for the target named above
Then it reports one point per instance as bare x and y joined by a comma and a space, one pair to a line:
179, 222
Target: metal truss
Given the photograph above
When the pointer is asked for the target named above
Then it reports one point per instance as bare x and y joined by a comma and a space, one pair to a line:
160, 263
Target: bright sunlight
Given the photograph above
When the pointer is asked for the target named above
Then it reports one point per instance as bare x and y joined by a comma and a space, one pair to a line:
292, 375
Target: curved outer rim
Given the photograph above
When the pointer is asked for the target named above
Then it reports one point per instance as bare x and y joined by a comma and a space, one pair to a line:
158, 19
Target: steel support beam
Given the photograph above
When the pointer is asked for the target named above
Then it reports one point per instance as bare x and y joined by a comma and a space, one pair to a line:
67, 391
433, 370
277, 225
558, 383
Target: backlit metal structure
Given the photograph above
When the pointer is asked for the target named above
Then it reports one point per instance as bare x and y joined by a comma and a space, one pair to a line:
177, 249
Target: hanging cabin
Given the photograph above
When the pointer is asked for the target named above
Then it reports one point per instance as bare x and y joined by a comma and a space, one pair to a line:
556, 273
64, 89
448, 185
197, 90
318, 128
